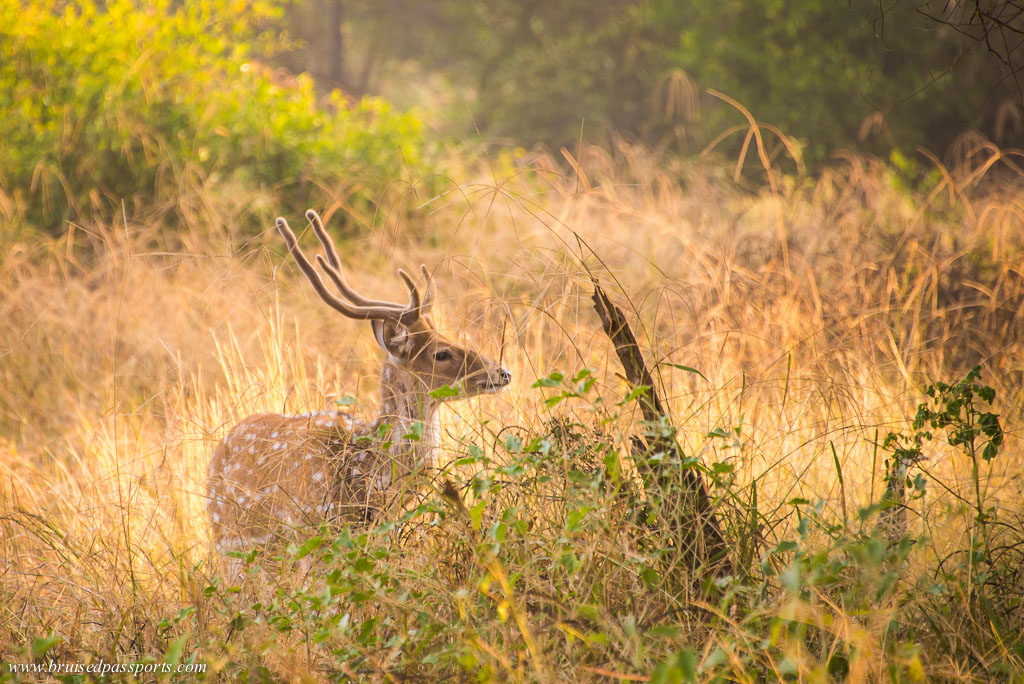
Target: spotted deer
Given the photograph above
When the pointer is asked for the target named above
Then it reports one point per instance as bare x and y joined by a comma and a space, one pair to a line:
273, 473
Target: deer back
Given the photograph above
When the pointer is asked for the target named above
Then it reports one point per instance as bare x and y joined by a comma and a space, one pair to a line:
274, 473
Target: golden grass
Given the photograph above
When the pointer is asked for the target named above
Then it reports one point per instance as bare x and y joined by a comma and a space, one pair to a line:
815, 312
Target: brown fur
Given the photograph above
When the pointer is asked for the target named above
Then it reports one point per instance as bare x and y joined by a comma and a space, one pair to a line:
272, 473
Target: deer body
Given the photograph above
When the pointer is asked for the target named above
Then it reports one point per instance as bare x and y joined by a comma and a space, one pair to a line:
273, 473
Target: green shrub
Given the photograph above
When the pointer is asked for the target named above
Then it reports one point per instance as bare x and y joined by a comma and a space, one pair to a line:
859, 74
125, 101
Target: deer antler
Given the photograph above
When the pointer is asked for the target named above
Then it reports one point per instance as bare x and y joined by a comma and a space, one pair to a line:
338, 277
361, 308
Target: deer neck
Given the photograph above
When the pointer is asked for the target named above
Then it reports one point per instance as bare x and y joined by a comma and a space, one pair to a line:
404, 403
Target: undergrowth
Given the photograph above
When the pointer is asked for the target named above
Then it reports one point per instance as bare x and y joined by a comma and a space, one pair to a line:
839, 360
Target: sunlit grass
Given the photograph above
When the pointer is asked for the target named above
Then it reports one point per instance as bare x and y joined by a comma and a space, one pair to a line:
127, 353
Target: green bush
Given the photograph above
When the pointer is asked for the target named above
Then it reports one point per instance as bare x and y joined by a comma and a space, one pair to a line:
859, 74
822, 70
124, 101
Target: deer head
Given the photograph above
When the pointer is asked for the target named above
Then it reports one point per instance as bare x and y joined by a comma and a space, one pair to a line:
416, 350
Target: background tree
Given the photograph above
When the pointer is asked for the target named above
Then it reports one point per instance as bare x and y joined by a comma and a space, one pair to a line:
853, 74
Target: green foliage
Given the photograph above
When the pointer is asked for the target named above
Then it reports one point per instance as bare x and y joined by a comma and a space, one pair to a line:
833, 74
819, 70
981, 572
953, 407
677, 669
127, 102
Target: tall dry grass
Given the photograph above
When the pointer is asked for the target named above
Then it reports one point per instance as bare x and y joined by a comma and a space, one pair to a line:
815, 311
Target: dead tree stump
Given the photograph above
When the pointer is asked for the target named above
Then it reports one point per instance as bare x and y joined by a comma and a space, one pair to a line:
704, 543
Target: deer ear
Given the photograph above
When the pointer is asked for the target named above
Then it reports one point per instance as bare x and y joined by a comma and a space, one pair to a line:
392, 337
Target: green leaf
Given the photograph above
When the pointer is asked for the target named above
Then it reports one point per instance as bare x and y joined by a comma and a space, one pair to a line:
552, 380
575, 517
476, 455
665, 631
415, 431
611, 464
688, 369
467, 659
347, 400
366, 632
42, 645
687, 663
481, 485
498, 531
650, 577
582, 374
635, 393
310, 545
679, 668
363, 564
989, 451
554, 401
990, 426
569, 560
538, 445
445, 392
173, 654
786, 546
512, 470
476, 514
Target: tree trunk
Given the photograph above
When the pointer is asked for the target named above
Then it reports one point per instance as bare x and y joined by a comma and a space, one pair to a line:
336, 54
704, 541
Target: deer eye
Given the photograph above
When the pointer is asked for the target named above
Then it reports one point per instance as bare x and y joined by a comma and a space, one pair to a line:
443, 355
